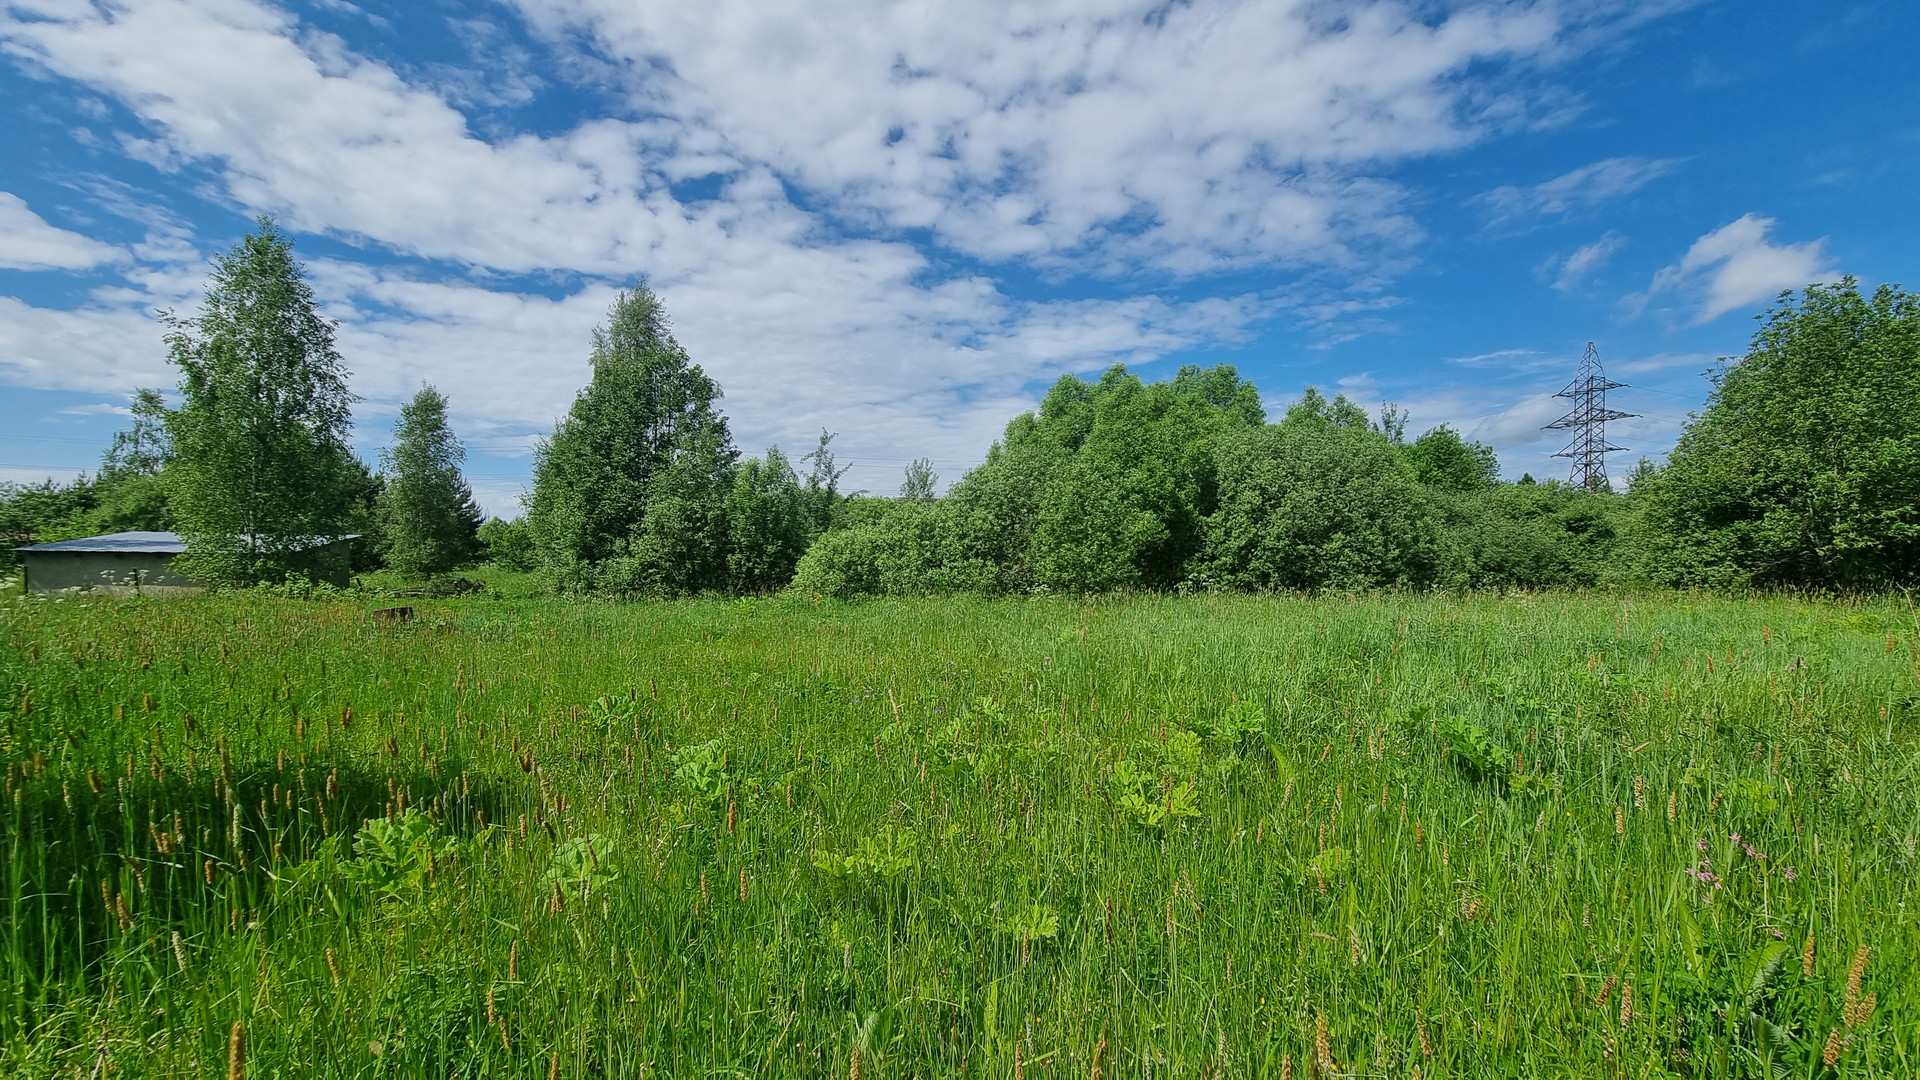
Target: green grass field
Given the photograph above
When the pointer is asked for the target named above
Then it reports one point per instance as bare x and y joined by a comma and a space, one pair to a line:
1555, 835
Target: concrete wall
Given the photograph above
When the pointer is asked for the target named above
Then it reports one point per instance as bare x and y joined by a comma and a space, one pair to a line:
112, 572
118, 573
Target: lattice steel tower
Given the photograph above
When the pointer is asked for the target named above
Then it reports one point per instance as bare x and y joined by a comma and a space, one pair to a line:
1588, 422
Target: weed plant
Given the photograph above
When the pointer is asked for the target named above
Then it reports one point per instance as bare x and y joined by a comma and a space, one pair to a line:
1554, 835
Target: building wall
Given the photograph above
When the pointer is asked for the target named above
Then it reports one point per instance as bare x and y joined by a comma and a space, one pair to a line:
149, 573
112, 572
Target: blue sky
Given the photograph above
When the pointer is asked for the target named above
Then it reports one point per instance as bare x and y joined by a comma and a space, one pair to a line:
900, 221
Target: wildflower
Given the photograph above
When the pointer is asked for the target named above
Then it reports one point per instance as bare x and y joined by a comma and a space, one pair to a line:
1789, 873
1700, 844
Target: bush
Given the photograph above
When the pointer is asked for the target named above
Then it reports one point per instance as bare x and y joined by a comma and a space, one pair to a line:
1316, 502
912, 547
509, 544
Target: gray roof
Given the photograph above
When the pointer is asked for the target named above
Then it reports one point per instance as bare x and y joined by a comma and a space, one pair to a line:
163, 543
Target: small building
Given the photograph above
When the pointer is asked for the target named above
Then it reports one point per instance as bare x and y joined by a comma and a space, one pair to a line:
141, 563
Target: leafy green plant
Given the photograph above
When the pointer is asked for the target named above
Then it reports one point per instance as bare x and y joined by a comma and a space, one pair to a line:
1136, 796
1027, 923
399, 856
582, 866
883, 857
701, 770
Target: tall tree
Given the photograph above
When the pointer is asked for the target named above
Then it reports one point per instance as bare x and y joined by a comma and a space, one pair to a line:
426, 511
768, 524
823, 483
1442, 458
647, 406
921, 482
1805, 465
261, 463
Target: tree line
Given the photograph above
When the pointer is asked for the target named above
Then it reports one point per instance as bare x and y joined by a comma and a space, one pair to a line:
1802, 469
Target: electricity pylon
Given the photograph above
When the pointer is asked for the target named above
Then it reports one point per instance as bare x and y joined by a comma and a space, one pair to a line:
1588, 422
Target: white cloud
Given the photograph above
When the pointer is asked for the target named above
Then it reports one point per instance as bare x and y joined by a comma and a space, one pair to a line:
1087, 135
1576, 192
1574, 269
804, 328
1735, 266
99, 349
1111, 132
1502, 358
27, 242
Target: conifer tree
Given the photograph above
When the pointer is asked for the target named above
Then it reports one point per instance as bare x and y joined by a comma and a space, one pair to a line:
261, 466
426, 511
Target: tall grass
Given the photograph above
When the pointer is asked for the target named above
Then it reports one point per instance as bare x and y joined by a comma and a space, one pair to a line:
1552, 835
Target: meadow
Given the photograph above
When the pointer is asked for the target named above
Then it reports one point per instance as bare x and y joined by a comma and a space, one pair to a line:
1154, 836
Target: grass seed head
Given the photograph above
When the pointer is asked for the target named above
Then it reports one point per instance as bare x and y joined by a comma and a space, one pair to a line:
237, 1052
1854, 973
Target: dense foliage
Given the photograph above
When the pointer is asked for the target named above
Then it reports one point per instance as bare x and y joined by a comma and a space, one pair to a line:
1802, 470
1227, 836
1805, 466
